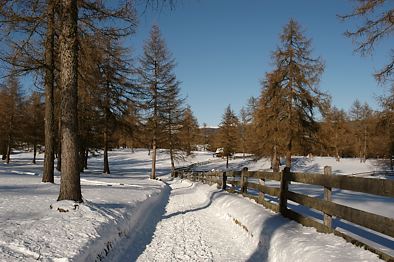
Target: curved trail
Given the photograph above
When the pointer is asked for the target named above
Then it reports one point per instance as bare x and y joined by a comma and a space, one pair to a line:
192, 230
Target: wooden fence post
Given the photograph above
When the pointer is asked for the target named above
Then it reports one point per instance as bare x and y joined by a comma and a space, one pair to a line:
244, 180
284, 187
327, 197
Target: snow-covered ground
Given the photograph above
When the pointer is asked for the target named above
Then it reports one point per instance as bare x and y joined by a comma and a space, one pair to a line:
127, 216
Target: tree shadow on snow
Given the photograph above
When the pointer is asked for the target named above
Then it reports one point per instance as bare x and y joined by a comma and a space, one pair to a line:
270, 225
204, 206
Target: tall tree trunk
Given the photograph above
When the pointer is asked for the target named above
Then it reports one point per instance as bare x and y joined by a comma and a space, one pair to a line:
106, 131
172, 161
155, 127
290, 130
34, 153
154, 149
10, 138
227, 157
70, 186
106, 163
49, 158
8, 157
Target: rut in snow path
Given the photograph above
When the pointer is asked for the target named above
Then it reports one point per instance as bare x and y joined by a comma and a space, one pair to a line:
192, 229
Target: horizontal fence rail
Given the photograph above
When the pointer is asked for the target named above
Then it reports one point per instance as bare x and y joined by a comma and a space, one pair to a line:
271, 189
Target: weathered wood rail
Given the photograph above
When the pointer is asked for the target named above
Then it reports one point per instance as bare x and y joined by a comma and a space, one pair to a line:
253, 184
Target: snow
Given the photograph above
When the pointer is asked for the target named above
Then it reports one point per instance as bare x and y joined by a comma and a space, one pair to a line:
126, 216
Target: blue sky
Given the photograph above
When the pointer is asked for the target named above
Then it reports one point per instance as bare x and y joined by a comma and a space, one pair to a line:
223, 49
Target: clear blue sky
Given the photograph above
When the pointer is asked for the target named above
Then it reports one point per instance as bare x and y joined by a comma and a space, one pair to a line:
223, 49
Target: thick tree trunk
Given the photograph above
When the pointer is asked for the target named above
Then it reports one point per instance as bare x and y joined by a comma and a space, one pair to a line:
70, 186
154, 149
49, 158
34, 153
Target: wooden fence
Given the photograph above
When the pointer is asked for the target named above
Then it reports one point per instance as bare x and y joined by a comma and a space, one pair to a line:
253, 184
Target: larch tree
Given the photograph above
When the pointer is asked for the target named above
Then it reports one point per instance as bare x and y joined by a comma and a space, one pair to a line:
114, 90
12, 118
189, 131
92, 16
228, 136
297, 74
243, 127
34, 122
333, 132
29, 25
156, 76
271, 134
377, 24
386, 124
360, 115
89, 110
171, 117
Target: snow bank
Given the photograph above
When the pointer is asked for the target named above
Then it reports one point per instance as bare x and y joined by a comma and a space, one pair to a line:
36, 227
277, 238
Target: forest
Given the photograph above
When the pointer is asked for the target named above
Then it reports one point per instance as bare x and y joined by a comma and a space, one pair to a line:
91, 93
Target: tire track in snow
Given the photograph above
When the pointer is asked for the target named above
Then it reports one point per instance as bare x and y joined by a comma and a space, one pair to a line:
191, 231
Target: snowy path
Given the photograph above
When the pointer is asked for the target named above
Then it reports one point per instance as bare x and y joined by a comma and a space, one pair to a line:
191, 231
